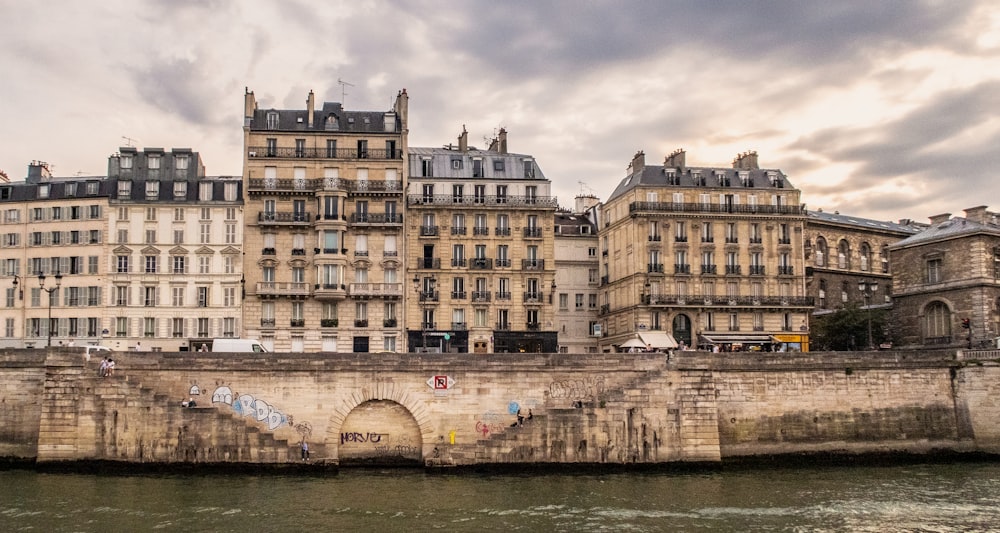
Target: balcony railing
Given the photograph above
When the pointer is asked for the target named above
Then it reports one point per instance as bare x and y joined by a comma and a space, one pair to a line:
698, 207
258, 152
708, 269
503, 295
532, 233
733, 269
605, 309
654, 267
376, 218
458, 262
428, 262
756, 240
429, 296
375, 290
732, 240
786, 270
461, 326
282, 288
480, 296
604, 280
501, 232
680, 238
532, 326
532, 297
784, 240
328, 322
429, 231
503, 326
265, 323
655, 238
458, 295
361, 323
325, 184
425, 326
682, 269
390, 323
483, 201
268, 251
756, 270
503, 263
480, 231
297, 322
283, 217
298, 251
532, 264
740, 301
458, 230
481, 263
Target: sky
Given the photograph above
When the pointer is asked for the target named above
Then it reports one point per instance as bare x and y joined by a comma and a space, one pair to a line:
886, 109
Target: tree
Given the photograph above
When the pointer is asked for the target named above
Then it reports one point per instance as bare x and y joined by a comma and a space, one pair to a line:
847, 329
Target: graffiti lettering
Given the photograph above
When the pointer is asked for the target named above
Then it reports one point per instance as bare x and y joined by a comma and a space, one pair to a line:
361, 437
577, 389
247, 405
401, 450
485, 428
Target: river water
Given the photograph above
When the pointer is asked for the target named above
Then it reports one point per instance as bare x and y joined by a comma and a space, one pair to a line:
933, 498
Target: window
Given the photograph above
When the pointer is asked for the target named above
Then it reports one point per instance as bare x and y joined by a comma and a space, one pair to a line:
177, 296
180, 190
477, 168
937, 321
205, 233
150, 264
124, 189
205, 191
563, 300
272, 121
149, 296
498, 165
178, 236
121, 296
934, 270
177, 327
202, 296
203, 327
152, 190
579, 301
149, 327
230, 233
179, 265
121, 263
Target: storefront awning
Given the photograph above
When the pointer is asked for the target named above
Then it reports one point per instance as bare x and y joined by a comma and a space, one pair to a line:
658, 339
738, 339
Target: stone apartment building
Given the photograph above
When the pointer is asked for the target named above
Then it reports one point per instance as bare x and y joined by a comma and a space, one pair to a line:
175, 251
577, 277
842, 251
703, 256
53, 259
946, 275
480, 246
324, 226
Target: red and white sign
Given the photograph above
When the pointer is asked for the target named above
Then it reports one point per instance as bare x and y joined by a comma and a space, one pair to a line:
441, 382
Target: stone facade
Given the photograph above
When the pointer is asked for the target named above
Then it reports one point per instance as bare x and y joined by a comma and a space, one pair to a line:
574, 408
709, 256
577, 277
480, 245
948, 273
324, 226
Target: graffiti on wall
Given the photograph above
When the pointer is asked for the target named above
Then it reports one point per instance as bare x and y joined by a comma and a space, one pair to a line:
577, 389
250, 406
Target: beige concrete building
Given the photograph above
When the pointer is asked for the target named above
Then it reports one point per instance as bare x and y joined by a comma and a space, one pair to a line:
480, 245
324, 226
704, 256
577, 277
53, 260
175, 251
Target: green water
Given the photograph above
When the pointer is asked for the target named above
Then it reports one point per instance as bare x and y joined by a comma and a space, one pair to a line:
952, 497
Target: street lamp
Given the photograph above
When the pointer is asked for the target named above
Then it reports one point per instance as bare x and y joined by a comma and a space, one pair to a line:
49, 290
868, 289
423, 294
20, 290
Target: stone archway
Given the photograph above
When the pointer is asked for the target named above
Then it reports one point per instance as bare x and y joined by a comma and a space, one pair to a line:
681, 330
380, 433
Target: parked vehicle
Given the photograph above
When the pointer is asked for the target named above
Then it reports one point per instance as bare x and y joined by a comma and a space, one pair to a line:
238, 346
99, 351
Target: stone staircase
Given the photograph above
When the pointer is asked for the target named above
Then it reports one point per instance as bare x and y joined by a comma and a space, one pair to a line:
676, 422
125, 418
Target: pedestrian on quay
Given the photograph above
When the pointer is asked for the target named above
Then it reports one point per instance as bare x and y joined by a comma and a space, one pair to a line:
305, 450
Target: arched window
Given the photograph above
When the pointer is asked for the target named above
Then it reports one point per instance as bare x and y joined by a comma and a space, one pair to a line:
843, 255
866, 257
937, 323
821, 252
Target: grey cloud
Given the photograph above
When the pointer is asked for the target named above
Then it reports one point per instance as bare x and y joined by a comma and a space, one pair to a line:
178, 86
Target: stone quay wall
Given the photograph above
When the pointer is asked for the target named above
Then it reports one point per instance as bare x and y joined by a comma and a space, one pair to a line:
446, 409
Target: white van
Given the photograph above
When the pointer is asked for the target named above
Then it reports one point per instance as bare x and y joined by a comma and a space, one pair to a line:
238, 346
99, 351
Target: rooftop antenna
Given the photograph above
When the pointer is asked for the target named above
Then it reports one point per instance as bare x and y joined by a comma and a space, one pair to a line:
585, 189
343, 91
129, 141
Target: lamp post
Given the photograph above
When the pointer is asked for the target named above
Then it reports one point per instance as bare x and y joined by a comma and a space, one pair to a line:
49, 291
20, 290
868, 289
422, 295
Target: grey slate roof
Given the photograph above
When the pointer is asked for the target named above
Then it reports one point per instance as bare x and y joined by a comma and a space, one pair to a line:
949, 229
346, 121
863, 223
655, 176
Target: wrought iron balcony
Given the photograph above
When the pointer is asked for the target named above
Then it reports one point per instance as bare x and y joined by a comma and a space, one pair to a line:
503, 263
480, 296
786, 270
425, 326
730, 301
501, 232
458, 262
698, 207
605, 309
458, 230
532, 326
708, 269
376, 218
682, 269
532, 233
483, 201
429, 231
375, 290
461, 326
756, 240
532, 264
655, 238
429, 296
654, 267
733, 269
268, 251
263, 152
284, 217
604, 280
428, 262
784, 240
756, 270
732, 240
502, 326
458, 295
390, 323
680, 238
480, 263
480, 231
361, 323
297, 322
533, 297
329, 322
267, 322
503, 295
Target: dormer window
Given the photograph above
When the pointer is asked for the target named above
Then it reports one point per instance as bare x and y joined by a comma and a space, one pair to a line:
775, 179
698, 178
722, 178
152, 190
272, 120
745, 179
154, 162
331, 122
181, 162
125, 162
43, 190
124, 189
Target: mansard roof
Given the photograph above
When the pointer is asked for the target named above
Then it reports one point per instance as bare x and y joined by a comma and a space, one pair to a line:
860, 223
657, 176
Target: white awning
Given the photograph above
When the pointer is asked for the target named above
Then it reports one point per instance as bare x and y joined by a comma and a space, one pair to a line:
658, 339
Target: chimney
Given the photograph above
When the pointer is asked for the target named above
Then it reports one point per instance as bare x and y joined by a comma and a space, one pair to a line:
463, 140
584, 202
977, 214
638, 162
402, 108
503, 141
249, 106
310, 107
676, 159
937, 219
746, 161
3, 177
38, 171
